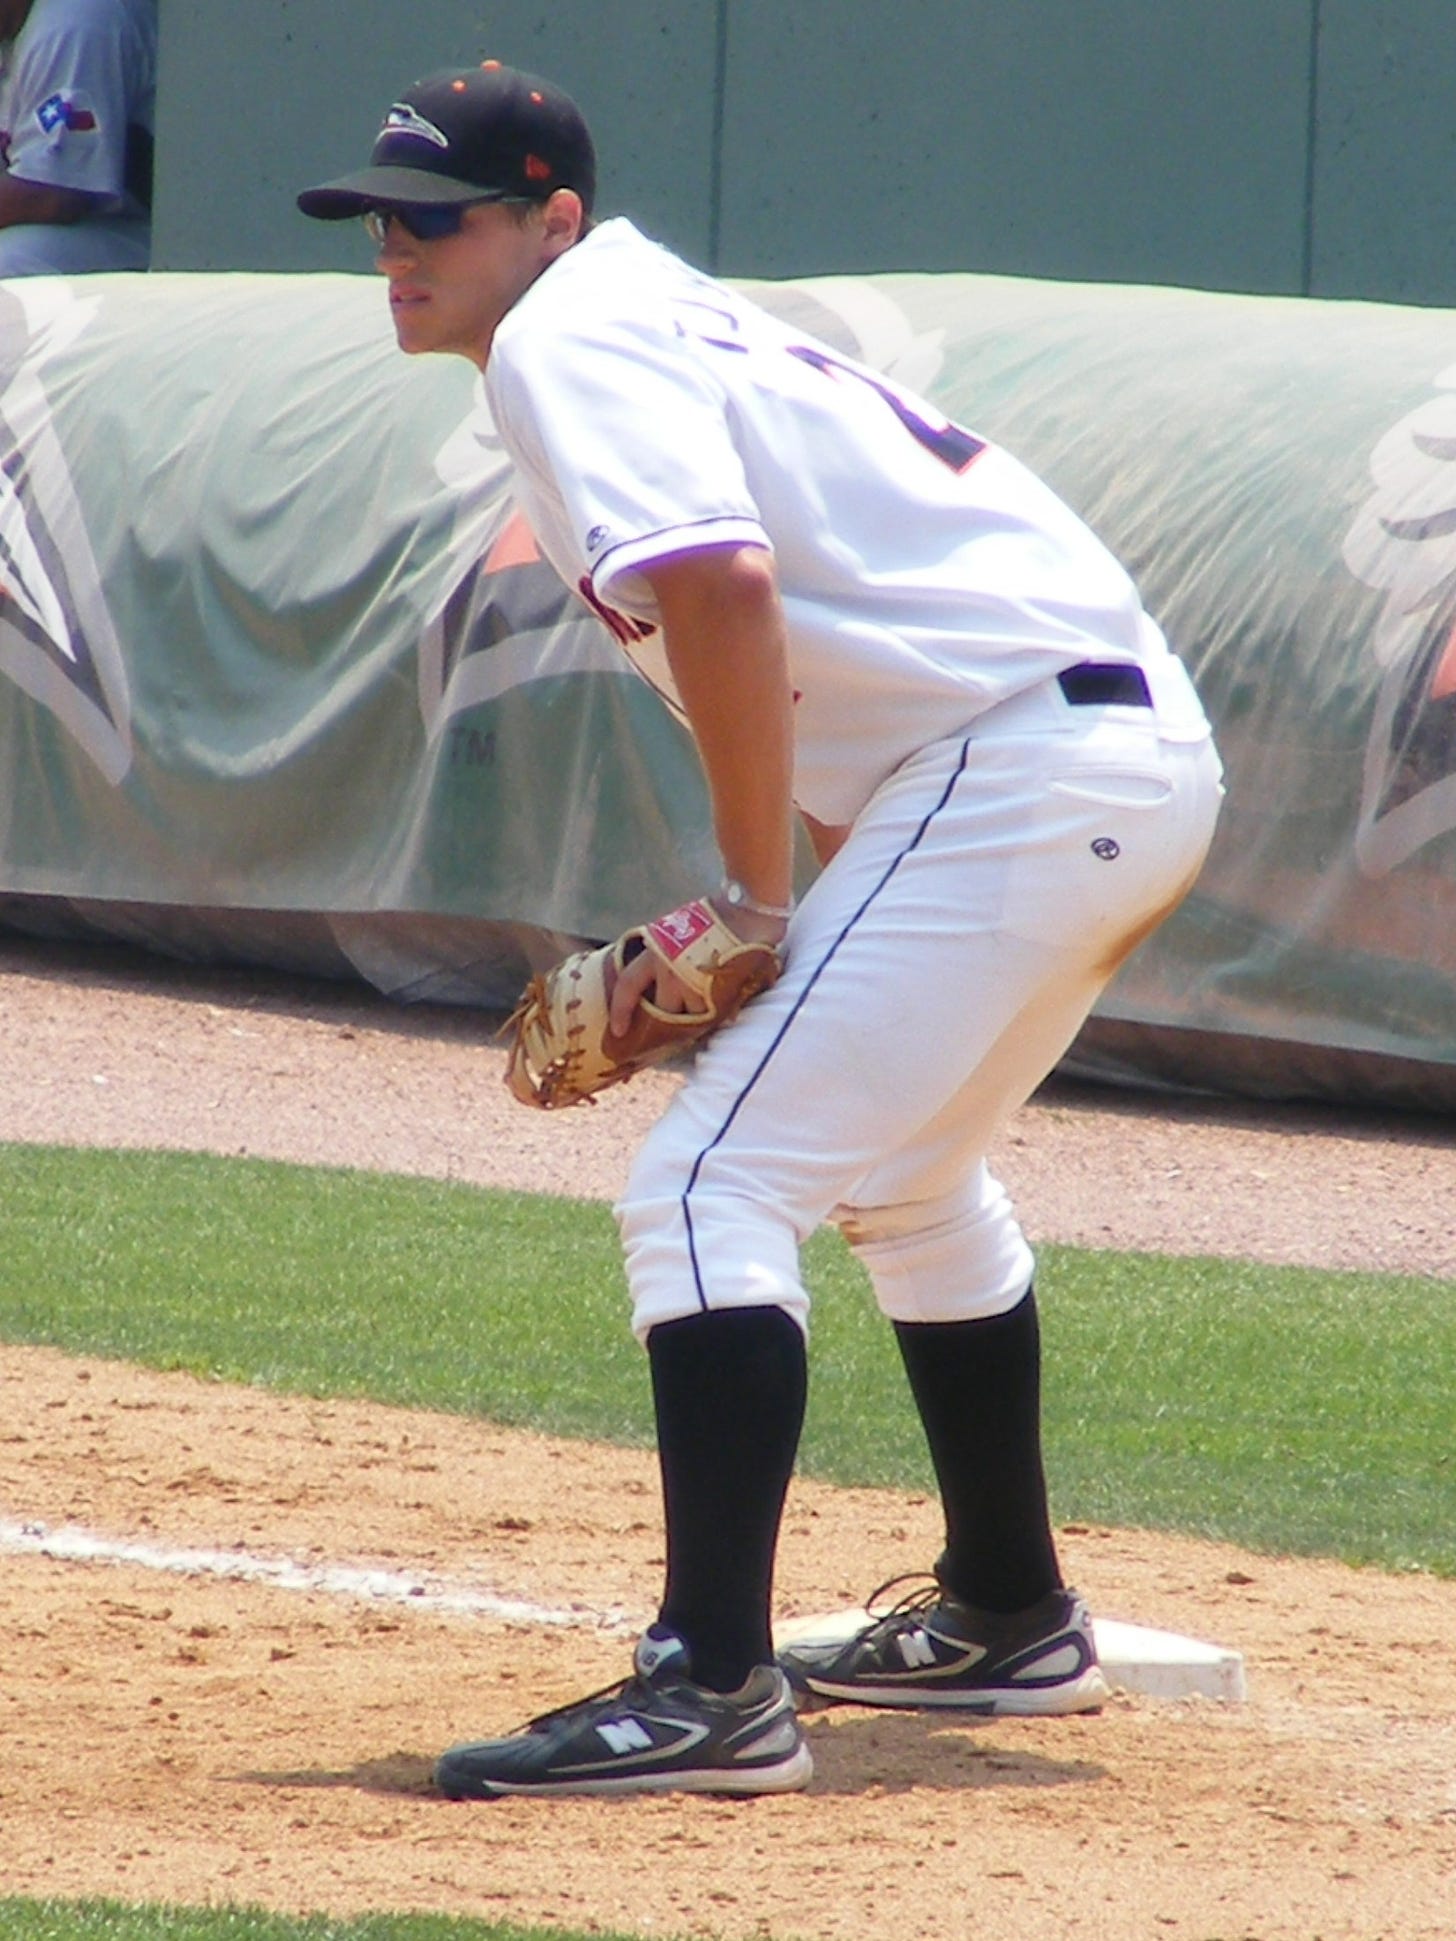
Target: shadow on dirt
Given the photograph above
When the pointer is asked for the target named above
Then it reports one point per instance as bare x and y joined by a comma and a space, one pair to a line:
854, 1755
393, 1773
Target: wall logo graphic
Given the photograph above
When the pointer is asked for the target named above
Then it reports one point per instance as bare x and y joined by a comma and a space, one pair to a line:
57, 641
1403, 544
507, 619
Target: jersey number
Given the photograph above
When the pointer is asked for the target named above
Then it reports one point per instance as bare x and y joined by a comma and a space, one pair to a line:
953, 446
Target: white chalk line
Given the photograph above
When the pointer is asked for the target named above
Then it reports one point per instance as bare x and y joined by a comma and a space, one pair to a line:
414, 1590
1157, 1663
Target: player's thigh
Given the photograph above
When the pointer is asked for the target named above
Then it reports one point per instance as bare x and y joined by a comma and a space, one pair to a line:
903, 978
1117, 833
986, 887
922, 1180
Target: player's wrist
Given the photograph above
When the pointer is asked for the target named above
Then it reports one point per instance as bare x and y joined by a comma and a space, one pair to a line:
738, 898
751, 922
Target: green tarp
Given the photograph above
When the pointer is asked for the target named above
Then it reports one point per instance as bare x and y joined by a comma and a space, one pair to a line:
281, 680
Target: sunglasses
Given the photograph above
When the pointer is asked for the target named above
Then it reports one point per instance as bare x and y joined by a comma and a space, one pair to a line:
427, 222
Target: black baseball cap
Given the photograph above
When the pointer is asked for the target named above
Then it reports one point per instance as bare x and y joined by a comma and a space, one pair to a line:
465, 135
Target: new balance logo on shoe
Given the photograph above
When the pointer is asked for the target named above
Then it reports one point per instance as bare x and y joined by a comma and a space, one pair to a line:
625, 1735
916, 1649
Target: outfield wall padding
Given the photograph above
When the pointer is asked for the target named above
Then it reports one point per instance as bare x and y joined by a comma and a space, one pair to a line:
283, 682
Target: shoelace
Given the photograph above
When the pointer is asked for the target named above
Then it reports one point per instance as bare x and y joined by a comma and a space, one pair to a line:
624, 1690
986, 1628
632, 1690
910, 1603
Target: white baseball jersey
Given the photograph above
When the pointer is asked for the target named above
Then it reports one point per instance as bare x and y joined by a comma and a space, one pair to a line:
79, 76
926, 575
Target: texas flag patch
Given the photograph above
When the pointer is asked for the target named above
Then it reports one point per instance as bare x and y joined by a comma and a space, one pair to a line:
69, 111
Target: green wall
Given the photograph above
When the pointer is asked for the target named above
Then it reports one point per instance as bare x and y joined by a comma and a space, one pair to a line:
1304, 146
258, 98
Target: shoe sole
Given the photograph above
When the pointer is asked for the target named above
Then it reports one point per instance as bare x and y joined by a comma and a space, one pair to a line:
1089, 1693
789, 1776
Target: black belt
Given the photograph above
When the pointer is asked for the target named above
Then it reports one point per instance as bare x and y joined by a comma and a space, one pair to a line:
1101, 684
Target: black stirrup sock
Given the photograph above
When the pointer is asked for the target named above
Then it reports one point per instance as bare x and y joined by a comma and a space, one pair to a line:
977, 1385
729, 1389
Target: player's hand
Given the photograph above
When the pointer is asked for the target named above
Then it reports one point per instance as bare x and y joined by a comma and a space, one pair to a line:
643, 975
646, 974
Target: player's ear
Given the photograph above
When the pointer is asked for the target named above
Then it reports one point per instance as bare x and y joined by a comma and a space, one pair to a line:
563, 219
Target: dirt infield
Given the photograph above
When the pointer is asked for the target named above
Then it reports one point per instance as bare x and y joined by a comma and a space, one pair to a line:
177, 1733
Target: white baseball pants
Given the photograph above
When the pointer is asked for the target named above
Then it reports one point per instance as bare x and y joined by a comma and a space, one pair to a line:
937, 970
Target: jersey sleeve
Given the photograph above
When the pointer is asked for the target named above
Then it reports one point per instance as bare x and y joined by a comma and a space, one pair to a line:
71, 93
625, 427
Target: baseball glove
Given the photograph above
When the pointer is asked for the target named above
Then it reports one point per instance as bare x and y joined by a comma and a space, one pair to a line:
561, 1048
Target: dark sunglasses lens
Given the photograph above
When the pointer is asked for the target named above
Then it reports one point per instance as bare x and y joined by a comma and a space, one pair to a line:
427, 223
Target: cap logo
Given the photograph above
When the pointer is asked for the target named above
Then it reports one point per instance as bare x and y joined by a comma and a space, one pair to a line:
402, 119
537, 170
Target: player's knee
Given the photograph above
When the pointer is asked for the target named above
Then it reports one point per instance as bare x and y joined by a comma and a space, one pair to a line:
696, 1252
954, 1260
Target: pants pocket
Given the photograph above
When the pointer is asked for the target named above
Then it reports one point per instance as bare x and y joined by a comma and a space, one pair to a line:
1104, 848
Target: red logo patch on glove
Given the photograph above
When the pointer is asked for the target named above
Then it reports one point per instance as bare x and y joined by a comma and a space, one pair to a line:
674, 933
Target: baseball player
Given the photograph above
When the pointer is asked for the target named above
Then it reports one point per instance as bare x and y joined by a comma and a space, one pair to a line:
872, 618
77, 103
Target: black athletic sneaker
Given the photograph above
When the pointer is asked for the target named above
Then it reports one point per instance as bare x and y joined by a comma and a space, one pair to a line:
657, 1732
928, 1649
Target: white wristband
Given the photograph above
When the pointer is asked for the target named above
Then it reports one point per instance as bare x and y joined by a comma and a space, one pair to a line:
735, 894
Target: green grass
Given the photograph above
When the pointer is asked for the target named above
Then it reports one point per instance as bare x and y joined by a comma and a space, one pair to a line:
1285, 1409
325, 1283
22, 1920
